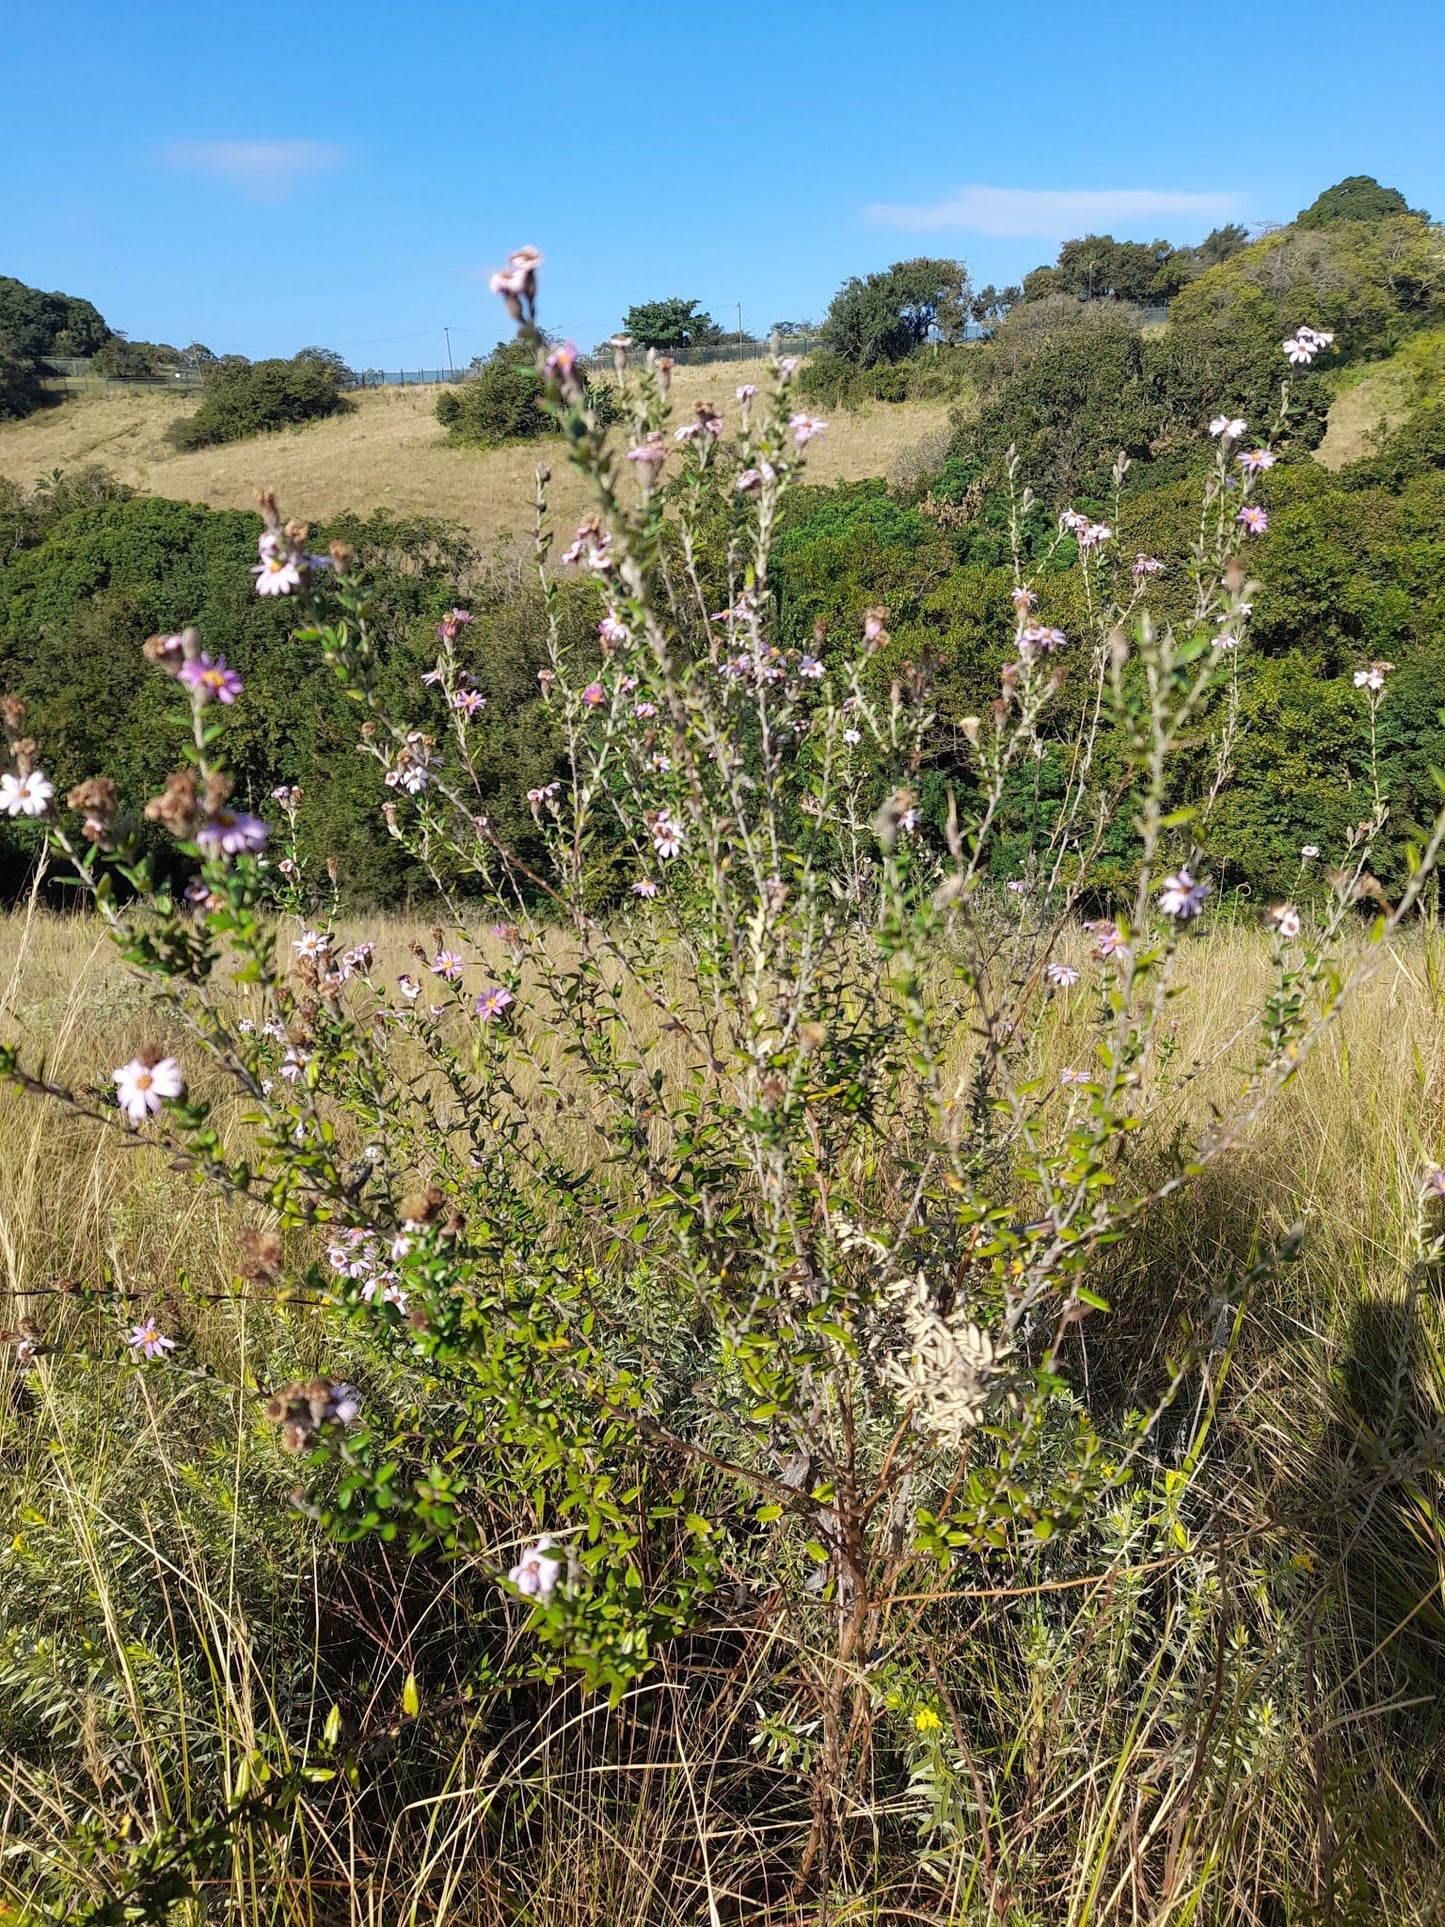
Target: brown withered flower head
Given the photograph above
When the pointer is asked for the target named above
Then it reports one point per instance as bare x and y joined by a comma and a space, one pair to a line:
260, 1261
302, 1411
97, 801
175, 807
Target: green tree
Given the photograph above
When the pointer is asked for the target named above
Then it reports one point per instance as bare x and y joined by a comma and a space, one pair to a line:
1098, 267
39, 324
1359, 197
885, 316
669, 324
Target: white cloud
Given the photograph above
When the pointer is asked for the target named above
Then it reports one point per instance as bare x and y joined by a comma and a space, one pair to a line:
262, 170
1055, 213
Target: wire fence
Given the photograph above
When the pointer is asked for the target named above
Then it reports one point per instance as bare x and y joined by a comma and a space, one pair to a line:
77, 376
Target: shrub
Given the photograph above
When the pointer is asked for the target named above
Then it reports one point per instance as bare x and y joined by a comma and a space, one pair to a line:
21, 392
732, 1245
241, 398
503, 401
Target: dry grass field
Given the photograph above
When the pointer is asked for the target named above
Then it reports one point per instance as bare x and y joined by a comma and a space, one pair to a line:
390, 452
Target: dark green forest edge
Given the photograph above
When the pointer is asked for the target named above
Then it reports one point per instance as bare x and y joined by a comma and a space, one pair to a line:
1074, 374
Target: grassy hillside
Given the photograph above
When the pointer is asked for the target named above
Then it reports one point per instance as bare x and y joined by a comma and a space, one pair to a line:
391, 453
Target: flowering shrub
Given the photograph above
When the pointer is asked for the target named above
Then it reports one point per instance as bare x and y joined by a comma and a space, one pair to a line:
734, 1229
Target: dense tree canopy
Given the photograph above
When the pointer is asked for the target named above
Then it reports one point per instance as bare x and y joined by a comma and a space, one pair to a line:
36, 324
670, 324
1359, 197
885, 316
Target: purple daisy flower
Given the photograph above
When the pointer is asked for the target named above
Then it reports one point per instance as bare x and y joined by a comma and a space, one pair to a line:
211, 680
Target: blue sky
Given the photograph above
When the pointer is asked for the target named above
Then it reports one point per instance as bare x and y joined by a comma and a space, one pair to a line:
345, 175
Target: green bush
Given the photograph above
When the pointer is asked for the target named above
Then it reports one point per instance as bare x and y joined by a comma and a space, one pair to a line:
935, 372
86, 577
241, 398
21, 392
502, 401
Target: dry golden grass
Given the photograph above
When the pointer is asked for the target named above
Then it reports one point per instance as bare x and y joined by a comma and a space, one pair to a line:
390, 453
1379, 400
1342, 1150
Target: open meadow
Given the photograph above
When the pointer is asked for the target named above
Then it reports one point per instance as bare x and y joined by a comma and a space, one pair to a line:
390, 452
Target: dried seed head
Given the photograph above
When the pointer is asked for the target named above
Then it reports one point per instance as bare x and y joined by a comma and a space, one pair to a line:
421, 1207
260, 1260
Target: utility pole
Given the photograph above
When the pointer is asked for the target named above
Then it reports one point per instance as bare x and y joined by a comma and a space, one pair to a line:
740, 327
451, 370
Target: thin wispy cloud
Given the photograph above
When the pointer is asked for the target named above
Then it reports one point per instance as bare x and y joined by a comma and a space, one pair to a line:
1052, 213
261, 170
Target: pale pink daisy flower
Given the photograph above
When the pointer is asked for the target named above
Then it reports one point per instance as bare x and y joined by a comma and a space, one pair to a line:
25, 795
612, 628
446, 963
1231, 427
1182, 896
1253, 518
277, 572
312, 943
805, 428
1286, 919
142, 1086
469, 701
1373, 678
594, 695
809, 668
1108, 938
644, 887
1146, 565
746, 391
852, 737
667, 836
1434, 1181
1063, 976
492, 1002
1023, 600
1037, 640
151, 1340
645, 710
232, 833
1254, 461
1070, 1076
1095, 533
536, 1573
408, 986
1308, 852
